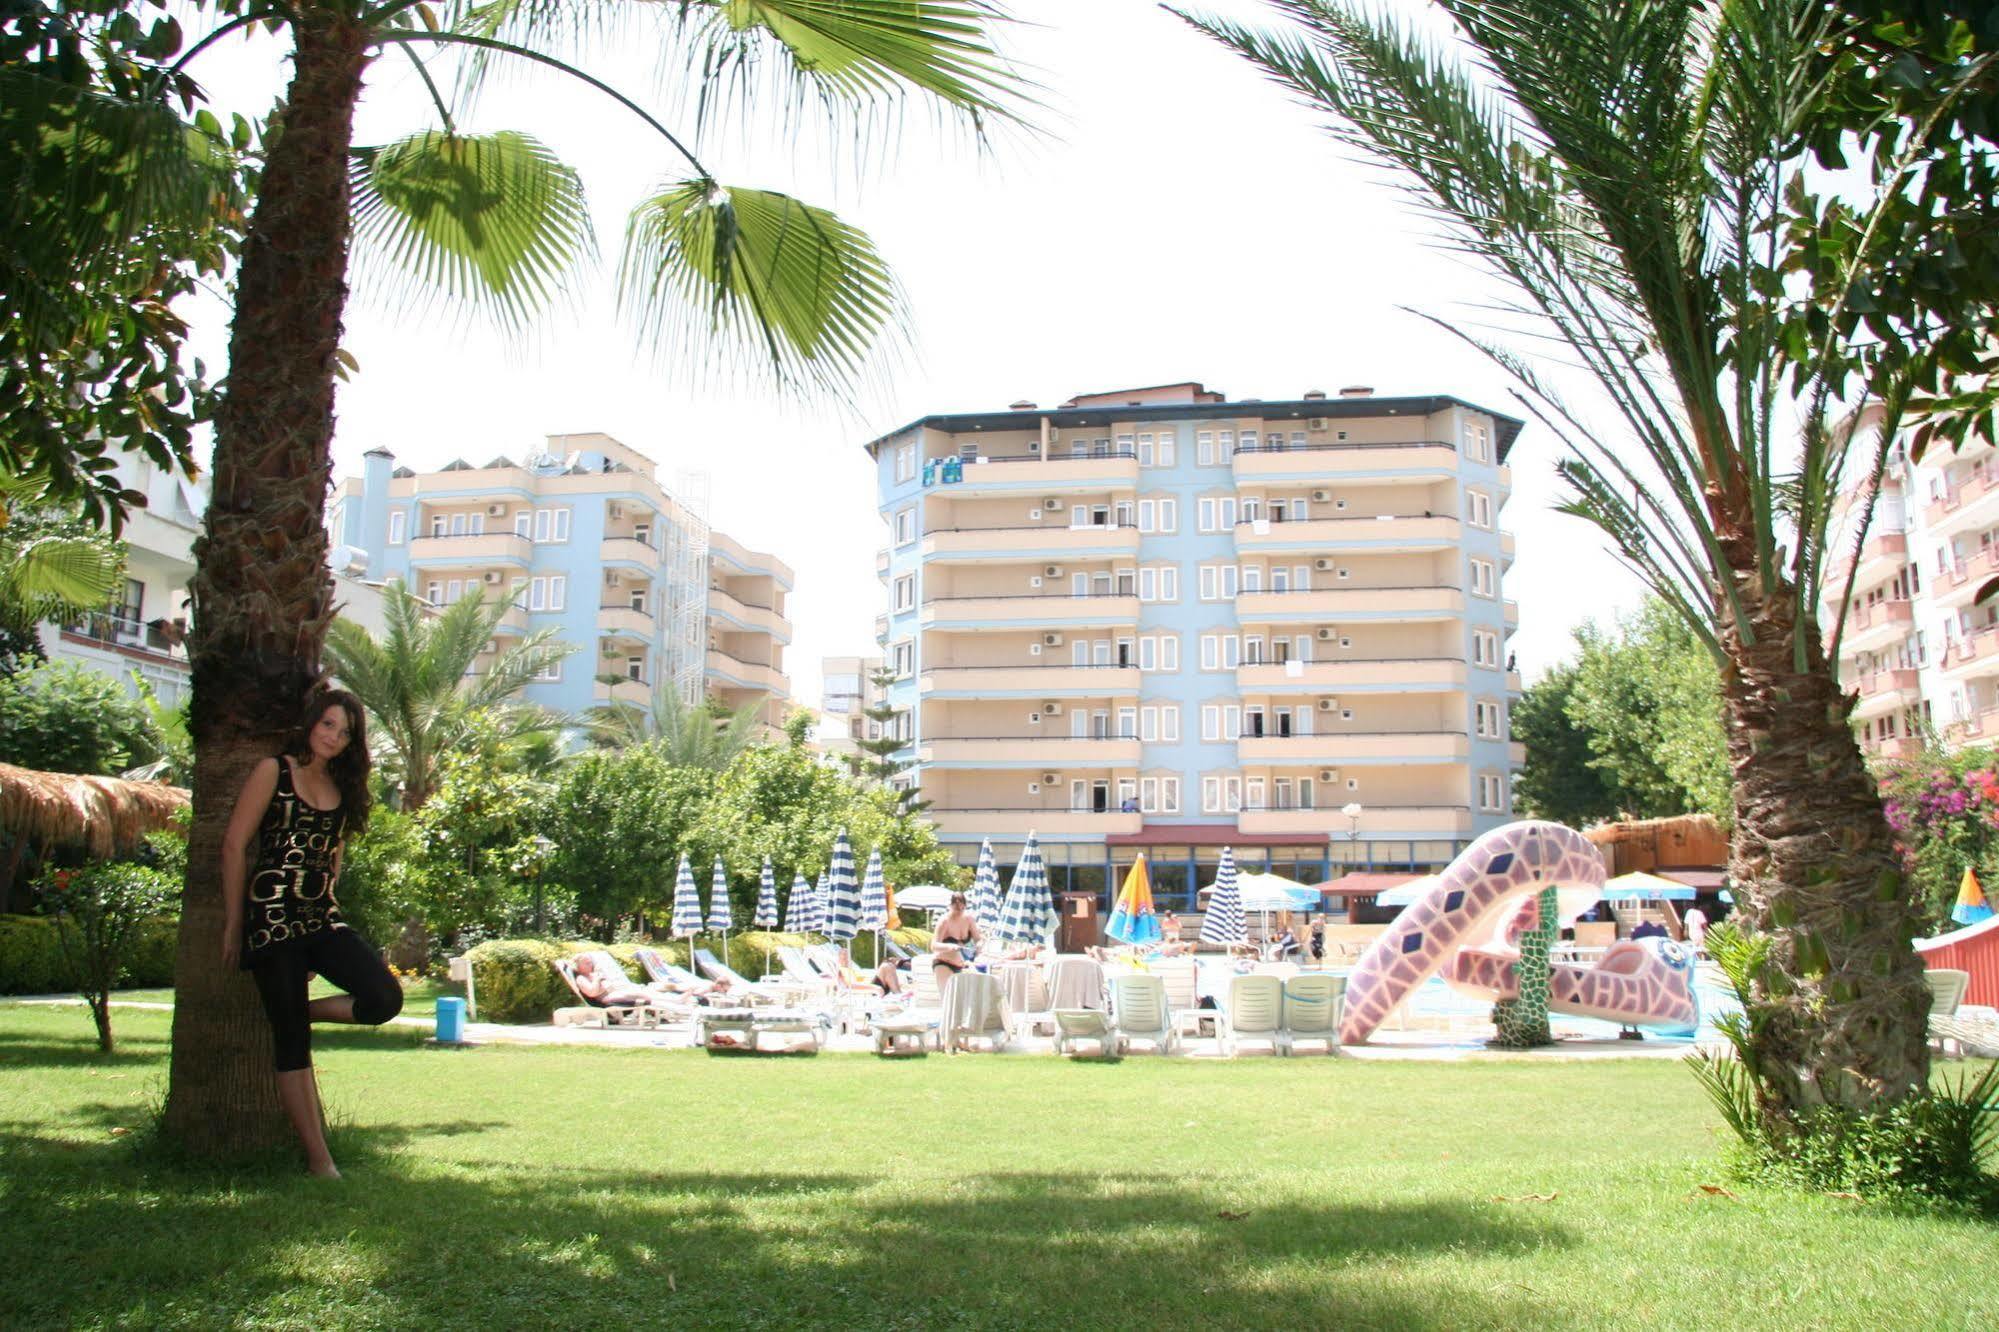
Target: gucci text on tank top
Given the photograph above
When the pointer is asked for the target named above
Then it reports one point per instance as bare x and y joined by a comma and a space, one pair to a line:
291, 888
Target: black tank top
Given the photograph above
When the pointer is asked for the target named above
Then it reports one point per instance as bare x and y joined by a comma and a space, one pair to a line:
291, 883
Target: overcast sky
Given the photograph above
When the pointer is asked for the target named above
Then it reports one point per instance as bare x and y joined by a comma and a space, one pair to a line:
1180, 219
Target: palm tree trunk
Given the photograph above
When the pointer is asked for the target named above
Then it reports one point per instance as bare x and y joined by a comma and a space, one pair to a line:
1815, 867
262, 593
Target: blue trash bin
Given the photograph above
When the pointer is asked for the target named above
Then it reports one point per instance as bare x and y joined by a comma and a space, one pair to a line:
451, 1018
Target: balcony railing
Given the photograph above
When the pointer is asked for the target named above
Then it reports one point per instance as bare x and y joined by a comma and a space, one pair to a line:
1341, 446
162, 639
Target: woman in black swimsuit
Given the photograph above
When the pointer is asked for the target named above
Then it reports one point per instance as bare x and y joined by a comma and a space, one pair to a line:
949, 950
281, 922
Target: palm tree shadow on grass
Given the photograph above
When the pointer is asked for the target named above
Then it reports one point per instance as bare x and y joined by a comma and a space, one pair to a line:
436, 1243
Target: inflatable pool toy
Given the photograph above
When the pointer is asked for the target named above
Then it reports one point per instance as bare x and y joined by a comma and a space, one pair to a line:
1485, 926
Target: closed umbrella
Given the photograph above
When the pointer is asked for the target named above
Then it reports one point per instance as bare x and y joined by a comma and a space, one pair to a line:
798, 910
1971, 904
843, 894
874, 901
719, 916
686, 904
1223, 924
1027, 919
822, 897
985, 903
1132, 919
766, 917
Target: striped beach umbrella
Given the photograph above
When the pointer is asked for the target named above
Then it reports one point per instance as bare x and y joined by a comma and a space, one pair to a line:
874, 895
686, 904
822, 895
720, 918
1223, 924
798, 907
1028, 917
843, 893
1133, 919
766, 917
985, 903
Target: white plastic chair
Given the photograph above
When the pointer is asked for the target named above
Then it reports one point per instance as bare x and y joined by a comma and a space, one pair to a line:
1947, 990
1255, 1013
1312, 1005
1139, 1012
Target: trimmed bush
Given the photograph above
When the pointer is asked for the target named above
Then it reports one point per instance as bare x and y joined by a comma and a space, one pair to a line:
31, 960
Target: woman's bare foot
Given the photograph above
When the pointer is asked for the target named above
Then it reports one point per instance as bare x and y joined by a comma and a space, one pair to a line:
323, 1169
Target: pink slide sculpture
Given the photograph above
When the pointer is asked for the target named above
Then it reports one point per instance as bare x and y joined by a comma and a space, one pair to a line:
1465, 927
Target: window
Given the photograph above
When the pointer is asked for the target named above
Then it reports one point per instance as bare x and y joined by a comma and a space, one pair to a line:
1211, 795
1211, 650
551, 525
398, 522
1247, 445
1231, 721
1204, 514
524, 523
1209, 583
902, 659
1211, 721
1228, 582
1169, 582
1169, 795
1148, 795
1491, 793
1169, 652
1169, 449
454, 591
1126, 448
905, 463
437, 525
1477, 444
1232, 795
1482, 580
520, 593
537, 594
642, 533
1146, 516
905, 526
552, 671
1169, 515
434, 593
1169, 723
635, 668
1488, 720
1478, 508
1231, 652
1484, 648
1204, 448
905, 592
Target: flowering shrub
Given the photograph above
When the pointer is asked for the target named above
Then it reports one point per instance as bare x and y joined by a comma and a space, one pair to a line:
1944, 809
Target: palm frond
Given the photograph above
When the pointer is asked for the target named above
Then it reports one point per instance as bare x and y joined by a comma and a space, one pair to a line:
492, 222
54, 574
709, 270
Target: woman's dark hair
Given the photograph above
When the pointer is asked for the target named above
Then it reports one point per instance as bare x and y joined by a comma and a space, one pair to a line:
958, 899
350, 770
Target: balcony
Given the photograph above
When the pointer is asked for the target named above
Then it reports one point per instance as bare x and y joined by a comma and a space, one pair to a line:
1899, 749
1036, 751
1377, 822
628, 553
1880, 559
745, 674
1355, 747
727, 551
881, 628
1043, 541
440, 552
1380, 604
1399, 675
1973, 655
515, 621
635, 692
1981, 726
881, 564
1886, 691
1968, 506
744, 616
1018, 822
1399, 462
624, 622
1035, 611
1027, 474
1028, 681
1388, 534
1967, 582
1877, 626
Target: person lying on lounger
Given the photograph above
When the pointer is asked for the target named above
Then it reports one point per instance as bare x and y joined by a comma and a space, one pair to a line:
613, 992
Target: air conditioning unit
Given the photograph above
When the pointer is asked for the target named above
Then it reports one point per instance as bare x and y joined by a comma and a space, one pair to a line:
1321, 496
1034, 788
493, 577
1328, 704
1316, 423
1034, 581
1322, 565
1034, 719
1050, 778
1325, 634
1051, 640
496, 510
1329, 774
615, 510
1053, 707
1053, 504
1052, 571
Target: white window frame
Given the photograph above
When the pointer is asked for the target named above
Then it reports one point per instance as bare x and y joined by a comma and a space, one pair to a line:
1477, 443
1211, 722
1146, 517
1204, 513
905, 525
1211, 795
1169, 516
524, 524
1204, 448
398, 526
905, 592
1478, 509
905, 463
1483, 578
1169, 652
550, 673
1169, 723
1230, 578
902, 658
1169, 795
1211, 652
1231, 721
1484, 648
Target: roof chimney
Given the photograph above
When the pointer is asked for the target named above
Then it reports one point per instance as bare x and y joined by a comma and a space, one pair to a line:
1022, 406
1358, 391
1315, 395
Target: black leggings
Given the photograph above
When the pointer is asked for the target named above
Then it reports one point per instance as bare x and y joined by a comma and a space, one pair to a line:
343, 957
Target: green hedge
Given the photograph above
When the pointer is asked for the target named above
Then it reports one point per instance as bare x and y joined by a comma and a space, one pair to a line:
31, 959
513, 979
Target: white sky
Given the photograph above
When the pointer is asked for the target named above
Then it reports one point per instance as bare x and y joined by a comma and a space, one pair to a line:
1182, 219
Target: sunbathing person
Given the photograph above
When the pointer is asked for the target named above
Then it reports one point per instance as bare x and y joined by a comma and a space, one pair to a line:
613, 992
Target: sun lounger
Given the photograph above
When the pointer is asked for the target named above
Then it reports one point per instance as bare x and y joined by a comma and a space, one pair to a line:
907, 1032
1181, 977
1255, 1013
1312, 1005
974, 1010
650, 1014
1139, 1013
1082, 1024
1947, 990
1076, 982
744, 1028
742, 987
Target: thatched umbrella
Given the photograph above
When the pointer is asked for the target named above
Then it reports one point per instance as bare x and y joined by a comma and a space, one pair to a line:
106, 816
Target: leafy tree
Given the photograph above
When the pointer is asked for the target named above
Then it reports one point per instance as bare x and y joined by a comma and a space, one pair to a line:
1624, 168
118, 206
100, 911
52, 567
708, 736
1944, 807
62, 717
618, 820
423, 697
172, 746
1648, 699
496, 220
1559, 779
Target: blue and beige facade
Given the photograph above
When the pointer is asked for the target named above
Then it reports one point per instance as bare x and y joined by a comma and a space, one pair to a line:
1159, 619
585, 541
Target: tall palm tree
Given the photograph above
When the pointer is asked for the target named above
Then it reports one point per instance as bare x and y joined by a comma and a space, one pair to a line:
750, 278
687, 735
419, 687
1621, 163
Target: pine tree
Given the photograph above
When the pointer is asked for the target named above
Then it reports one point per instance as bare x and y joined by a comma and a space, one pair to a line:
881, 765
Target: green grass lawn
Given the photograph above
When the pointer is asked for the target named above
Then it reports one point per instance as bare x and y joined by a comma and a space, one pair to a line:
419, 997
509, 1187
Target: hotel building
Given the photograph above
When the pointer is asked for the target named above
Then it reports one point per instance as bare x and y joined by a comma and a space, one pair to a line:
847, 690
584, 540
1159, 619
1920, 645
